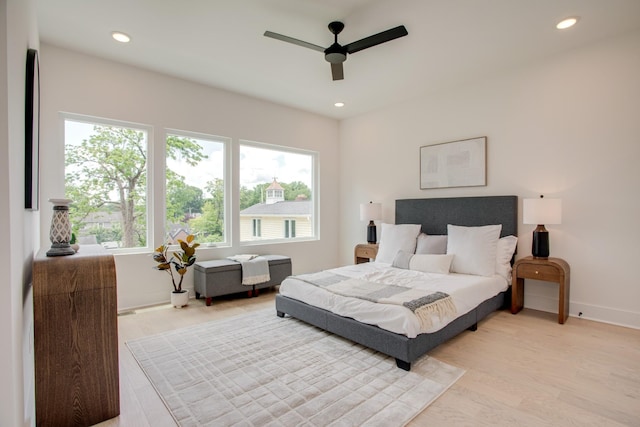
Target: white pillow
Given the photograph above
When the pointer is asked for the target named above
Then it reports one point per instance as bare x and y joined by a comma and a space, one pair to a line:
504, 253
431, 244
474, 248
397, 237
431, 263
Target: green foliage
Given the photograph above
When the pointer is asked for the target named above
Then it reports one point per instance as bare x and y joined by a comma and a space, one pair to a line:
112, 162
113, 234
188, 149
252, 196
182, 200
295, 189
210, 225
107, 173
180, 260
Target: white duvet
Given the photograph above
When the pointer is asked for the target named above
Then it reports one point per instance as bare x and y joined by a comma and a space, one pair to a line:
467, 291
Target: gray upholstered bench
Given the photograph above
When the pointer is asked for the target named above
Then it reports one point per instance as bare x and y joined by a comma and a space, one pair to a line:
224, 276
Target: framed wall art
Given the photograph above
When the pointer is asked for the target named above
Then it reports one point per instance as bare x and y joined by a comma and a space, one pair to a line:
32, 131
454, 164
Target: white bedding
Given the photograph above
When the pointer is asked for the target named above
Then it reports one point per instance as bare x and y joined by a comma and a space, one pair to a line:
466, 290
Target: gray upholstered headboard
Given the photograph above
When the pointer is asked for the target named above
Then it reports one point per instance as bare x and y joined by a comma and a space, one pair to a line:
435, 214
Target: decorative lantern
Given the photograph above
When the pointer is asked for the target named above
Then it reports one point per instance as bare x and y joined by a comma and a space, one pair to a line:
60, 233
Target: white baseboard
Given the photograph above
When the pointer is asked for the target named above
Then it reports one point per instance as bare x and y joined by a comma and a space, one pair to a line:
159, 297
597, 313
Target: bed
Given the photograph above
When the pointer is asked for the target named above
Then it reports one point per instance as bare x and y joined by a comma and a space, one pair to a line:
435, 217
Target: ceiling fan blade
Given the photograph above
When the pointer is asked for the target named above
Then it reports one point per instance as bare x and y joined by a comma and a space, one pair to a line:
337, 71
293, 41
376, 39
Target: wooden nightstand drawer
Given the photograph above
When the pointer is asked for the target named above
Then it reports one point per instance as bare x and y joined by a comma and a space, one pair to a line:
367, 252
540, 272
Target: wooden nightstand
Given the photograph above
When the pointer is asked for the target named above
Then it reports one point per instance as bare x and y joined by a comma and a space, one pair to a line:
365, 252
548, 270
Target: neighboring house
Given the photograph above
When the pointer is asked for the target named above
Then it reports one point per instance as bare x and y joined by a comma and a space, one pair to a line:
277, 218
100, 220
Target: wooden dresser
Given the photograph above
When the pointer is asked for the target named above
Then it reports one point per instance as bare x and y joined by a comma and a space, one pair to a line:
75, 338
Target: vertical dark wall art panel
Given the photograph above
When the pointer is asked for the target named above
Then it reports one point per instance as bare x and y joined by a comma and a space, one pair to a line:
32, 131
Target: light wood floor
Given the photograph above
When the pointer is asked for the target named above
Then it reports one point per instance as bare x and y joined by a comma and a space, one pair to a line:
524, 370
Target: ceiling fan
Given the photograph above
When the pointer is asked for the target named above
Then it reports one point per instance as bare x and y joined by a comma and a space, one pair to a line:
336, 54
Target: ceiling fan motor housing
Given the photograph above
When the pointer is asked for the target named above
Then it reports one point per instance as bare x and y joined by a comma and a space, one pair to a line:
335, 54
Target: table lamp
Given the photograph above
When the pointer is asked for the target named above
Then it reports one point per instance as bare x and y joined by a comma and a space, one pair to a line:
371, 212
540, 212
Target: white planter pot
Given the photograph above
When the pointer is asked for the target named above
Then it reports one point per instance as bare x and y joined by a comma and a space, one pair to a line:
179, 299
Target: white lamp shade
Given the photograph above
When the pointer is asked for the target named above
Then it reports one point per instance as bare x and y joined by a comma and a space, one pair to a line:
370, 211
542, 211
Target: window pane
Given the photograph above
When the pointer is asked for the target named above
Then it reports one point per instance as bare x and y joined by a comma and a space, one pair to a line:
276, 184
256, 228
195, 202
106, 177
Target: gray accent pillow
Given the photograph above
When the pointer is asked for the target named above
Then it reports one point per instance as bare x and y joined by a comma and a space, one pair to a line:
431, 244
402, 260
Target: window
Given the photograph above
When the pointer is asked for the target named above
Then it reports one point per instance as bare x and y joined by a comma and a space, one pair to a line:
289, 228
195, 188
257, 227
109, 167
106, 177
277, 184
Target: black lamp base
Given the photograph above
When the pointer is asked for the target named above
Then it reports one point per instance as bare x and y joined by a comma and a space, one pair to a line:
371, 232
540, 243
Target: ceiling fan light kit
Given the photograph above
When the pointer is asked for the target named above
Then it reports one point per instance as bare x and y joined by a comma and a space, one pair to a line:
336, 54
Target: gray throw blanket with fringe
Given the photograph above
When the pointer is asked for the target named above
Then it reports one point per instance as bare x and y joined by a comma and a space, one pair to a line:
255, 269
424, 304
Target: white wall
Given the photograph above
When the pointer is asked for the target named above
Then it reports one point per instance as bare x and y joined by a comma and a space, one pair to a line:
76, 83
568, 127
18, 31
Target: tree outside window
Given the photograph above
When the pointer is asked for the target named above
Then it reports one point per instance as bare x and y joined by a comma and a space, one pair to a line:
195, 202
106, 177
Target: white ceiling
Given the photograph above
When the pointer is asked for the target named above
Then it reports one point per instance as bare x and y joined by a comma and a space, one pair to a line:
220, 42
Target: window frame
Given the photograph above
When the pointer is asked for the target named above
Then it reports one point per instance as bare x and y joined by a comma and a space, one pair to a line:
155, 193
226, 173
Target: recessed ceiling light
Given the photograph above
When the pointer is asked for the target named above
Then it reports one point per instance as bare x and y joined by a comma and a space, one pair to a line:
339, 104
567, 23
121, 37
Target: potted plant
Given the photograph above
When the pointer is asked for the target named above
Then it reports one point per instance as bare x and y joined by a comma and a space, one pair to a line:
181, 261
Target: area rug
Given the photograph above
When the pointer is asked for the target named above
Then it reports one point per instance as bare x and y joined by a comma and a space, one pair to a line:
261, 370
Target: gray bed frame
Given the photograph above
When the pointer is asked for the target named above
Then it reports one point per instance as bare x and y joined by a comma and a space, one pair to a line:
433, 215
